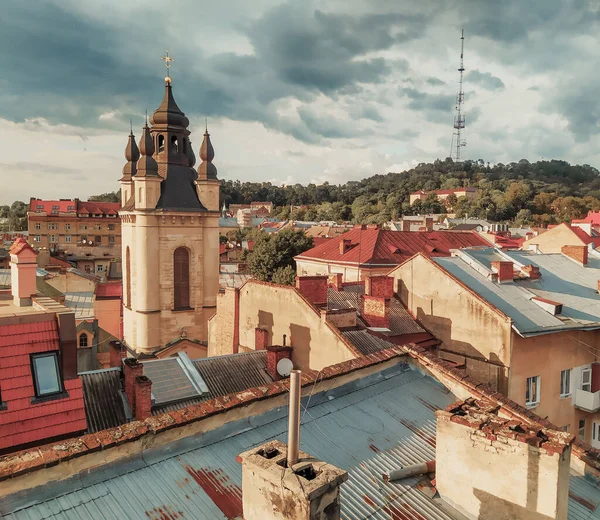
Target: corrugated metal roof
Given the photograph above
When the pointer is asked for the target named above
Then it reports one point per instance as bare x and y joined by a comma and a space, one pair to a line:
563, 281
367, 427
401, 322
104, 406
81, 302
366, 343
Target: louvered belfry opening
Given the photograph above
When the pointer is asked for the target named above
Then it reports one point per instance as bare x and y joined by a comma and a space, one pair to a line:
181, 275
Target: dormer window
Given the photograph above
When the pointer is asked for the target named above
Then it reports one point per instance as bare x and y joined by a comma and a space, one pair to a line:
46, 374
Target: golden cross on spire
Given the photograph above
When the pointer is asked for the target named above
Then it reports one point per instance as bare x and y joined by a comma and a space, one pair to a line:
168, 59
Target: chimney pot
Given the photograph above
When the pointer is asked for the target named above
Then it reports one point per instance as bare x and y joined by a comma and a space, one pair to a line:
274, 355
23, 270
132, 368
143, 398
577, 253
376, 311
314, 288
380, 286
505, 271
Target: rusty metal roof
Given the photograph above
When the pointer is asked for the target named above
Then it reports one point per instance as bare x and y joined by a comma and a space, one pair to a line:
104, 402
366, 343
380, 422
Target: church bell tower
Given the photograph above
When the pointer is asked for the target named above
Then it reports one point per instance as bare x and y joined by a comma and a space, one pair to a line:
170, 236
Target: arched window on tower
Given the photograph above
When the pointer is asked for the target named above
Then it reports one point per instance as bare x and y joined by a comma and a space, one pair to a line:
181, 278
174, 143
128, 278
161, 143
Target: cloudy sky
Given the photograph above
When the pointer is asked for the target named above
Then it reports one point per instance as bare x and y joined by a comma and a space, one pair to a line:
294, 91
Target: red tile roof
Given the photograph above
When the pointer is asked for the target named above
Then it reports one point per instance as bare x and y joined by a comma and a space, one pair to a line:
19, 245
592, 216
59, 263
109, 290
72, 206
504, 242
385, 247
23, 422
104, 208
584, 237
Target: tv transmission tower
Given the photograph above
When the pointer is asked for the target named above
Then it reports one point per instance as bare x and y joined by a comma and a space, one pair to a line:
459, 119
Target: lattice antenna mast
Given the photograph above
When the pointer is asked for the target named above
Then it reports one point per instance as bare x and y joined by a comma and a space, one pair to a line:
459, 119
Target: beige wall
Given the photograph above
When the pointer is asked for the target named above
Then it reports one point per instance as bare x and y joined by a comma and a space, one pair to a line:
546, 356
554, 239
470, 330
221, 326
501, 479
151, 322
350, 273
71, 282
280, 310
108, 314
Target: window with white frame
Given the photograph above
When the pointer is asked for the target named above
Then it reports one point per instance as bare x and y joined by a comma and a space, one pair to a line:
565, 383
67, 239
100, 268
532, 394
581, 432
586, 379
38, 225
67, 227
36, 238
53, 239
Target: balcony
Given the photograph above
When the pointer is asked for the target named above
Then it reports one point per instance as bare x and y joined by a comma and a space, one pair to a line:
588, 401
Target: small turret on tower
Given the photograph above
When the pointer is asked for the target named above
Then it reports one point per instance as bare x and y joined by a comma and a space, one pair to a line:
132, 154
147, 180
207, 183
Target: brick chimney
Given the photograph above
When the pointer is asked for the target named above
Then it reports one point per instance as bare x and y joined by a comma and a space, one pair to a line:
117, 353
309, 490
143, 398
336, 281
67, 338
314, 288
505, 271
376, 311
380, 286
476, 450
405, 225
532, 271
577, 253
429, 223
132, 368
261, 338
345, 245
23, 266
274, 355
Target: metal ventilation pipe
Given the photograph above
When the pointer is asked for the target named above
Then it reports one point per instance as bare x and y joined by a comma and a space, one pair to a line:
294, 418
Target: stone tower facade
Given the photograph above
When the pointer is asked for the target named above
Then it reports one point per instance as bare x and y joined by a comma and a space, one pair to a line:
170, 235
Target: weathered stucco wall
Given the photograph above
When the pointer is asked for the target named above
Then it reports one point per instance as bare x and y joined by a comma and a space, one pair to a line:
108, 314
499, 479
280, 310
350, 273
470, 330
222, 336
71, 282
546, 356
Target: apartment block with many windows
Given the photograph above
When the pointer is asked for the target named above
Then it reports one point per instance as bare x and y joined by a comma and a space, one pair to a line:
79, 229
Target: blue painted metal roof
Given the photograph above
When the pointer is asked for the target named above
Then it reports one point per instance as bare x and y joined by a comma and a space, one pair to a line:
367, 427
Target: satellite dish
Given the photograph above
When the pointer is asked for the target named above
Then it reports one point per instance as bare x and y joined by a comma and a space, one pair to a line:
284, 367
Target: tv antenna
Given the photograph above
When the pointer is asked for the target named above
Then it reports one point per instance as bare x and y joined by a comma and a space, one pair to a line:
459, 119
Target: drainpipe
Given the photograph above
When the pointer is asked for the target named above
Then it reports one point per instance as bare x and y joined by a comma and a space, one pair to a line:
294, 418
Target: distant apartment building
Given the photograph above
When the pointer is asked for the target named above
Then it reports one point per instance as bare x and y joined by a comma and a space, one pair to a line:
442, 195
79, 229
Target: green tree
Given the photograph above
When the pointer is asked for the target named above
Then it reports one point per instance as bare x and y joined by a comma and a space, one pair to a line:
17, 216
112, 196
284, 275
274, 251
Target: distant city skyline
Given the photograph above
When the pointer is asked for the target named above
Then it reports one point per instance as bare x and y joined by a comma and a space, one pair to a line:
311, 91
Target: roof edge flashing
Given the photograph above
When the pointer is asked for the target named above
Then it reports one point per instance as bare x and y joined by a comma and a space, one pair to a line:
193, 375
